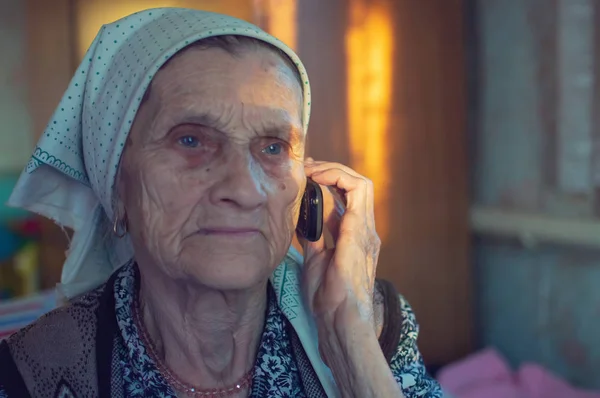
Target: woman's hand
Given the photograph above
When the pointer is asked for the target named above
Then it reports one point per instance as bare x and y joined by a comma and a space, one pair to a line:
339, 281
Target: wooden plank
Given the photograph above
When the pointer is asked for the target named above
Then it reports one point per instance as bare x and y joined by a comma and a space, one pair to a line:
15, 130
575, 81
49, 70
533, 229
429, 257
596, 111
50, 65
544, 31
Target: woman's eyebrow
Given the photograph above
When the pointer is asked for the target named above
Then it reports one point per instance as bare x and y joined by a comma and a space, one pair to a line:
284, 131
204, 119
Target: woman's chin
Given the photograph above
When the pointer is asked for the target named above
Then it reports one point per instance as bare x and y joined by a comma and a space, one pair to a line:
229, 271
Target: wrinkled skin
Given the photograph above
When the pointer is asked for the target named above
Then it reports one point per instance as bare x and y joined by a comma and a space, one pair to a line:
214, 168
211, 182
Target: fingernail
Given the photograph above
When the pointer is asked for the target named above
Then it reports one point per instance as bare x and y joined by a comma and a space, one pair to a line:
310, 160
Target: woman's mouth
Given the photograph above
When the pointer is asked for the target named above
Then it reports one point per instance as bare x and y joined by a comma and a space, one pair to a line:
228, 231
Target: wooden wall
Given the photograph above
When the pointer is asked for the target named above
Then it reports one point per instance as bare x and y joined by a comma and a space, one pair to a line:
537, 149
426, 250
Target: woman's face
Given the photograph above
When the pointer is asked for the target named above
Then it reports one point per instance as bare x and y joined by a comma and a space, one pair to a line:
212, 176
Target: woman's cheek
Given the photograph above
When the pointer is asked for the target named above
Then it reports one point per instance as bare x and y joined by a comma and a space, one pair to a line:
194, 159
291, 190
283, 175
290, 176
164, 188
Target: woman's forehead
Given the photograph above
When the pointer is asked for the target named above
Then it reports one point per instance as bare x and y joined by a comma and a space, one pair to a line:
208, 63
213, 84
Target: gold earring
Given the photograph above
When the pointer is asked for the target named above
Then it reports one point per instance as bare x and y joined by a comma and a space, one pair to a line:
120, 226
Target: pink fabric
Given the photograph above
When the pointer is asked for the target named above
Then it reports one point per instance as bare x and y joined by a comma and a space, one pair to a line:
486, 374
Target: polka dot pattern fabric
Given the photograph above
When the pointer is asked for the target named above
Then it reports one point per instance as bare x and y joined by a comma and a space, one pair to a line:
71, 175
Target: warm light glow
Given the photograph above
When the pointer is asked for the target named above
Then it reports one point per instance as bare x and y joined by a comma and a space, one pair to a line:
369, 46
282, 21
92, 14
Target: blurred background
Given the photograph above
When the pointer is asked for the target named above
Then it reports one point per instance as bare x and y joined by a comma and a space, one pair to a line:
477, 120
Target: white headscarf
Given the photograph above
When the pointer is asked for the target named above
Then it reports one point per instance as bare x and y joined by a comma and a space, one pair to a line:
71, 175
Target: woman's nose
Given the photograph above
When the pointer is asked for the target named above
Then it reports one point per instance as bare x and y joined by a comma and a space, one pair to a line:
242, 186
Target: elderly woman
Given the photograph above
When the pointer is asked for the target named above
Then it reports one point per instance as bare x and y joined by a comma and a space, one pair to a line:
177, 156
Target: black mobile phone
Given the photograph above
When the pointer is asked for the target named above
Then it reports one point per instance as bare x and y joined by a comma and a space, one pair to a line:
310, 221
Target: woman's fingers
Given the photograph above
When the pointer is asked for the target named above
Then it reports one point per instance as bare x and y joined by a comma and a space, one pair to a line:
351, 268
353, 187
319, 165
333, 210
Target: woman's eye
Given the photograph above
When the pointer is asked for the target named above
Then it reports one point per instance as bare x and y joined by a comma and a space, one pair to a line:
189, 141
273, 149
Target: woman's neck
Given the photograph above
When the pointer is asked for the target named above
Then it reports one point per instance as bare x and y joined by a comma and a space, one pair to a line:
207, 338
